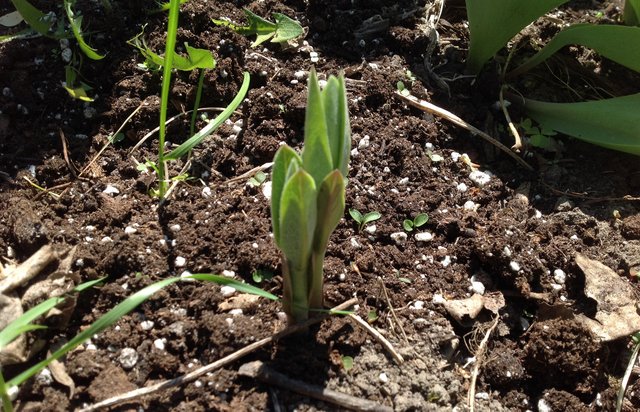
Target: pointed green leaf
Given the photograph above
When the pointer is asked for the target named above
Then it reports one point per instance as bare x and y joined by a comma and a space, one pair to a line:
76, 27
237, 285
298, 216
330, 209
617, 43
199, 58
631, 14
286, 28
283, 158
492, 23
611, 123
337, 121
316, 154
36, 19
194, 140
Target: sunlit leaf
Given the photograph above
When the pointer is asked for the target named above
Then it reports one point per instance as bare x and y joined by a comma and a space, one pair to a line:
76, 27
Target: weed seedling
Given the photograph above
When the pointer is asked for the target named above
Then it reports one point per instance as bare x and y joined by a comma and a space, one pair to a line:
361, 219
308, 195
258, 179
418, 221
283, 30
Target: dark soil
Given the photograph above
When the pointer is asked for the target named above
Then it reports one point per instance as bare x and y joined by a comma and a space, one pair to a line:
520, 227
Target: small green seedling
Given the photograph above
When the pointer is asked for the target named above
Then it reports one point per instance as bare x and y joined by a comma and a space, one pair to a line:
283, 30
540, 137
347, 363
308, 195
418, 221
259, 275
258, 179
361, 219
372, 316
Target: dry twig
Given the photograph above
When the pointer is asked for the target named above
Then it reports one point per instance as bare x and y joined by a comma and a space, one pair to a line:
378, 336
480, 352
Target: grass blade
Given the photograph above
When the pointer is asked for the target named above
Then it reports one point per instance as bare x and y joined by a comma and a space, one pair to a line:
617, 43
194, 140
237, 285
34, 17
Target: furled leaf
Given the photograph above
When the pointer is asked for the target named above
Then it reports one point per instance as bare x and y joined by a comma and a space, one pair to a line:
330, 208
194, 140
36, 19
617, 43
284, 156
492, 23
298, 216
337, 121
76, 27
316, 154
611, 123
282, 30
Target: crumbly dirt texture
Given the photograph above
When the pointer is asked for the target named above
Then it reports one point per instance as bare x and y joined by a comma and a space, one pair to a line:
516, 233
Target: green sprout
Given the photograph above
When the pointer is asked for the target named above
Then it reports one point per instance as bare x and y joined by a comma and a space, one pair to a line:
283, 30
257, 179
361, 219
540, 137
347, 362
417, 221
308, 195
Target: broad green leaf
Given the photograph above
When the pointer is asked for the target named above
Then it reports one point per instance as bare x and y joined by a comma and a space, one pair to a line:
283, 158
196, 58
286, 28
611, 123
298, 216
297, 223
330, 209
316, 154
631, 13
337, 121
370, 217
76, 27
407, 224
492, 23
237, 285
36, 19
420, 220
200, 58
617, 43
194, 140
356, 215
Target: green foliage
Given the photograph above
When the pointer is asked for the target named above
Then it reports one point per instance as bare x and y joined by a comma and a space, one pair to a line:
539, 137
77, 90
631, 13
283, 30
76, 27
492, 23
419, 220
611, 123
36, 19
307, 199
257, 179
347, 363
617, 43
361, 219
24, 323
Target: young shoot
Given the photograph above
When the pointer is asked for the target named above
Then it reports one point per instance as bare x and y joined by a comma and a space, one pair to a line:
361, 219
308, 195
283, 30
418, 221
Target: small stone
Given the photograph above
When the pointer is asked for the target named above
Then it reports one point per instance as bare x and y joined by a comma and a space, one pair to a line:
235, 312
543, 406
300, 74
563, 205
180, 261
482, 395
371, 229
45, 377
111, 190
383, 377
418, 305
206, 192
403, 181
227, 291
470, 205
159, 344
462, 187
266, 190
146, 324
438, 299
354, 243
559, 276
364, 142
515, 266
130, 230
128, 358
479, 178
399, 237
423, 237
446, 261
228, 273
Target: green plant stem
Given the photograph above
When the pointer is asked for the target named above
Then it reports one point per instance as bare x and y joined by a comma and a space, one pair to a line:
295, 301
4, 395
172, 29
317, 279
196, 104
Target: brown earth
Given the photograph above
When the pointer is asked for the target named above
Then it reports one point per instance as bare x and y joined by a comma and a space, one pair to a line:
520, 229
